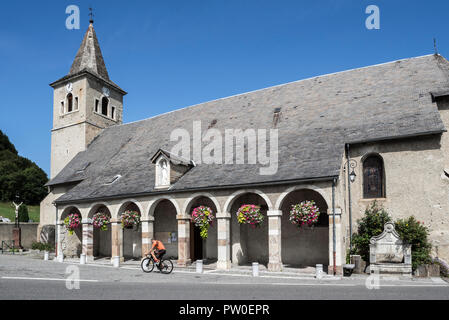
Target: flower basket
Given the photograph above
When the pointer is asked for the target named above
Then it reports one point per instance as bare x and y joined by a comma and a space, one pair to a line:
250, 214
100, 221
72, 221
202, 217
305, 213
130, 219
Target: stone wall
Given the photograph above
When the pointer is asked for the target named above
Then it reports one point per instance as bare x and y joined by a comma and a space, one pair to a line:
29, 233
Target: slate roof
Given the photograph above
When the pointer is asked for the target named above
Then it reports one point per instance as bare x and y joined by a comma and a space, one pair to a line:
317, 117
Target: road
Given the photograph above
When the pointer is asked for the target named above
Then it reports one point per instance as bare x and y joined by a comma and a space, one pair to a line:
27, 278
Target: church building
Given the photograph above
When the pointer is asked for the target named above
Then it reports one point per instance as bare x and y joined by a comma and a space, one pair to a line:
341, 140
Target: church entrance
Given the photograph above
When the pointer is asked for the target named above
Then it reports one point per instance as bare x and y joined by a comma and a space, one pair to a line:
196, 243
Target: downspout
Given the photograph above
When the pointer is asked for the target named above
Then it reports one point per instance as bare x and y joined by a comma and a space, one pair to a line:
334, 242
349, 196
56, 229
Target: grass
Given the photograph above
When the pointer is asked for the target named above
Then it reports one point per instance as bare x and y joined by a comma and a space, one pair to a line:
7, 211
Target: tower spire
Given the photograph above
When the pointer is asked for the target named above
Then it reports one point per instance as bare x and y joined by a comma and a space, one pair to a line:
89, 55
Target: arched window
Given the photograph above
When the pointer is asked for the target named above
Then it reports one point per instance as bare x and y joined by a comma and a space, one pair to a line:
69, 102
104, 106
373, 177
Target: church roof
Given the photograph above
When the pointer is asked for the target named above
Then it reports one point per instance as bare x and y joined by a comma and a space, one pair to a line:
314, 117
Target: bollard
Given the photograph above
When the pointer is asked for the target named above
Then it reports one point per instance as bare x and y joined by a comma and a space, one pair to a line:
319, 271
116, 262
82, 258
255, 269
199, 266
45, 255
60, 258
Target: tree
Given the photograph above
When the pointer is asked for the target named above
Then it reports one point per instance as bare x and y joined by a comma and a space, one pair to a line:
372, 224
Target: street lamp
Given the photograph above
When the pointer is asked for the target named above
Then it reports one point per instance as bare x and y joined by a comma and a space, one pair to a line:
350, 164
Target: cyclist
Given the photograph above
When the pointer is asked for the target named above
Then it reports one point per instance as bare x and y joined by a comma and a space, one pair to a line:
157, 250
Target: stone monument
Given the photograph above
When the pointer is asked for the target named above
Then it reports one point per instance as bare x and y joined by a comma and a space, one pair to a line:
388, 253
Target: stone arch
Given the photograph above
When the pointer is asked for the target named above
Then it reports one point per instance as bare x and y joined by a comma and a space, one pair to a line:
72, 245
304, 246
132, 238
189, 202
248, 244
153, 204
202, 248
284, 194
231, 199
102, 240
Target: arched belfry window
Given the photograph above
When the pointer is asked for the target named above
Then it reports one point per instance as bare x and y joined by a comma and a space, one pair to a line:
104, 106
69, 102
373, 177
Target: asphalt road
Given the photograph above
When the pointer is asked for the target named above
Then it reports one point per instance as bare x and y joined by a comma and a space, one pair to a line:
27, 278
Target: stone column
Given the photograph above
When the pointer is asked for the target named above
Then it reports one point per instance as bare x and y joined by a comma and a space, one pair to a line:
183, 240
338, 242
88, 239
224, 241
274, 240
147, 234
59, 241
116, 240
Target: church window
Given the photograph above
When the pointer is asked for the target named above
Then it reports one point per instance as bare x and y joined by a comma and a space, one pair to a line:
69, 102
76, 103
62, 107
162, 173
104, 106
113, 112
373, 177
97, 102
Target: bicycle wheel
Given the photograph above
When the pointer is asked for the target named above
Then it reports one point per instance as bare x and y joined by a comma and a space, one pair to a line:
147, 265
166, 266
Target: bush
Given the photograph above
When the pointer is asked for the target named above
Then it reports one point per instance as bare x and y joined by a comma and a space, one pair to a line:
23, 213
410, 230
415, 233
372, 224
42, 246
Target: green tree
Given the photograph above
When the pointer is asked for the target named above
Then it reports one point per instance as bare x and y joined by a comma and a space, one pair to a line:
23, 213
415, 233
370, 225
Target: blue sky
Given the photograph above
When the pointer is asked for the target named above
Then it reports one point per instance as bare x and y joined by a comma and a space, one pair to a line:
172, 54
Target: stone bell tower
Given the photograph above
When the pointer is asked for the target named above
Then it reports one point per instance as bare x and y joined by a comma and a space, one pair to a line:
85, 102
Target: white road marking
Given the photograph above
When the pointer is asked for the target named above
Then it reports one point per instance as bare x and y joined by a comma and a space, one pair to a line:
44, 279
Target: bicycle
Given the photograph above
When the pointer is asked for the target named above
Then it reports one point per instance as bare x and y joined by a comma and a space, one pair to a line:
165, 265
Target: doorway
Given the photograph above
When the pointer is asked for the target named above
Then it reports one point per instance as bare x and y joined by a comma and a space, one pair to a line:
196, 243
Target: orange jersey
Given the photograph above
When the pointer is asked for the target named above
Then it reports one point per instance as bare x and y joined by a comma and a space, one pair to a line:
158, 245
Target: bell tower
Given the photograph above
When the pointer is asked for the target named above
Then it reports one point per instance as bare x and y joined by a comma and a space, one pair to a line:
85, 101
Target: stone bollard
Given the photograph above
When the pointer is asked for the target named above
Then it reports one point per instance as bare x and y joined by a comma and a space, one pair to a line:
255, 269
116, 262
319, 271
60, 258
199, 266
45, 255
82, 258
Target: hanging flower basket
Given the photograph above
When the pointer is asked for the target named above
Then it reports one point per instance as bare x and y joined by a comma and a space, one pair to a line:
202, 217
101, 220
305, 213
72, 221
130, 219
250, 214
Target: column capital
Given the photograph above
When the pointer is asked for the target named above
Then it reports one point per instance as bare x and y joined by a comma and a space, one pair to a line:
338, 212
274, 213
182, 217
223, 215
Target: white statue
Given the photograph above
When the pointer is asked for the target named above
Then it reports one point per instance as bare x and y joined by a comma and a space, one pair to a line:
164, 173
